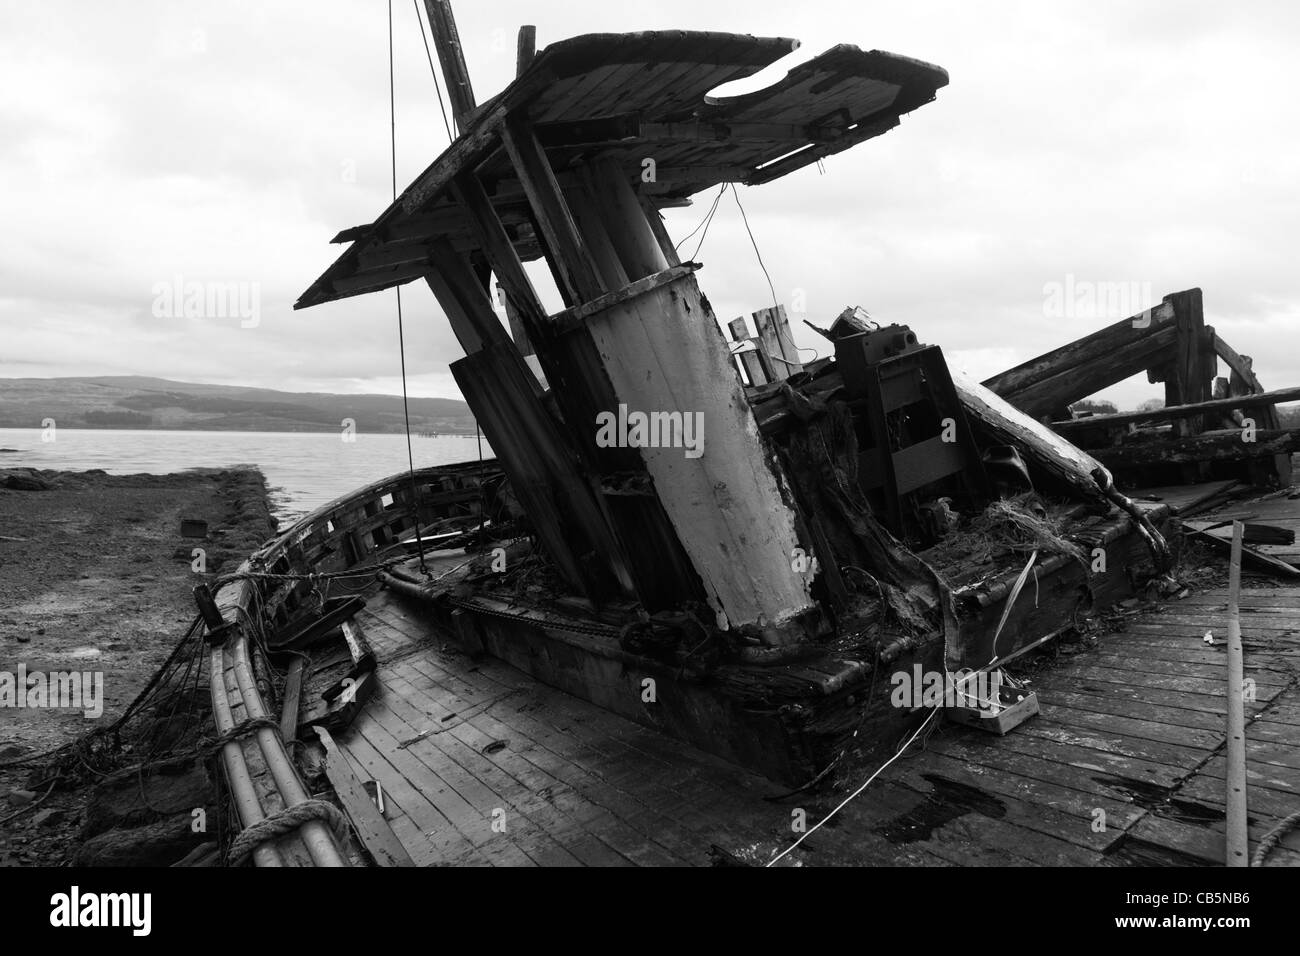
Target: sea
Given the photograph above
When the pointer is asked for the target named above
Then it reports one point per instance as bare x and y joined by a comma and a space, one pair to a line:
303, 469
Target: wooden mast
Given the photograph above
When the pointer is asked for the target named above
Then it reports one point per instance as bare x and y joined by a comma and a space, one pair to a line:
452, 58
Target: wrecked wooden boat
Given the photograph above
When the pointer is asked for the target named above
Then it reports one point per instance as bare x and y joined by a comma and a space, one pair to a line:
698, 556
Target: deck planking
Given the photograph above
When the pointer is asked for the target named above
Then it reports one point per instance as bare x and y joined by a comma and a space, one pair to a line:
1131, 735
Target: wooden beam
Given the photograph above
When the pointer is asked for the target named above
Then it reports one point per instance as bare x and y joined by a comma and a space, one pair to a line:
466, 153
500, 251
1128, 357
462, 297
544, 473
588, 217
452, 59
1082, 351
795, 161
525, 48
568, 251
1042, 449
1277, 396
518, 331
1243, 375
1210, 446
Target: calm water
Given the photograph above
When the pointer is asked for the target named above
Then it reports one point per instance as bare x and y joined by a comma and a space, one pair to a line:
304, 470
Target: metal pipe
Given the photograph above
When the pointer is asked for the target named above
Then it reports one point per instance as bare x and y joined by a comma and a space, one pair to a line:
232, 755
315, 834
1235, 781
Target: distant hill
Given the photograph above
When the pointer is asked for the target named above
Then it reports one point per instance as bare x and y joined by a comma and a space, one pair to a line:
129, 401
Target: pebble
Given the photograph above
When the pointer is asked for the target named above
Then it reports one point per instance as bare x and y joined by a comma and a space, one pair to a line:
48, 817
24, 639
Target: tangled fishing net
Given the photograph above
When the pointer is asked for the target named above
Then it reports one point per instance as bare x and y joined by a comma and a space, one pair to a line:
1019, 524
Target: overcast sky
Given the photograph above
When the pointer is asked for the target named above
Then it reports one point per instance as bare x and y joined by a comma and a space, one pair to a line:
1152, 147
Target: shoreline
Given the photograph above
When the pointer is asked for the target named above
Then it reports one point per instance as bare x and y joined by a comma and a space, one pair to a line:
97, 579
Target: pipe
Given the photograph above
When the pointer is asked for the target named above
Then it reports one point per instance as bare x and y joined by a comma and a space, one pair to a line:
241, 784
315, 834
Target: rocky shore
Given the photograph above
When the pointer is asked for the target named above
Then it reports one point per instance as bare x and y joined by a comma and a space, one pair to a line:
96, 577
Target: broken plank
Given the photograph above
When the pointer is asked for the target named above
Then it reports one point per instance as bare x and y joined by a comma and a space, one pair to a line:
369, 824
292, 696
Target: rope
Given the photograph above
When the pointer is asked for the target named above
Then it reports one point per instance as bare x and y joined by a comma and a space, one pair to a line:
370, 571
401, 335
1273, 837
284, 822
240, 731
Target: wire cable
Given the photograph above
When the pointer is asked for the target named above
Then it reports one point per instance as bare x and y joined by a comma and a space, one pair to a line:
401, 334
432, 69
847, 800
735, 194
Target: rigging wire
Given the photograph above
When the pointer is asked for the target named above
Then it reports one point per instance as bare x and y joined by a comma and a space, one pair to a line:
771, 288
401, 334
703, 224
845, 802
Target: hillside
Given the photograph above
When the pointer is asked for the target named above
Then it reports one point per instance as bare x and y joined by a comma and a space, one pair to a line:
138, 402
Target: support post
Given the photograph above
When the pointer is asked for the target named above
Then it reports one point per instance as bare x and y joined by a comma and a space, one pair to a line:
568, 251
1235, 779
525, 48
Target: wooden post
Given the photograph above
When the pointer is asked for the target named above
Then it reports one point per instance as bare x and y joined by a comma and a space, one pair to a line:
518, 331
525, 48
462, 297
1189, 384
452, 58
1235, 780
568, 251
600, 241
753, 360
778, 346
660, 567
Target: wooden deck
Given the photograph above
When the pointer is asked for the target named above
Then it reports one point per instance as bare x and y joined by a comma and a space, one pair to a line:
459, 745
1124, 766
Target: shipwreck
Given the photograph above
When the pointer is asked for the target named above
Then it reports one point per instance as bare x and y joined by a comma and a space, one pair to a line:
725, 549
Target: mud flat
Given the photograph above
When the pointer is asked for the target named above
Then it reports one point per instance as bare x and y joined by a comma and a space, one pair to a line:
96, 577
